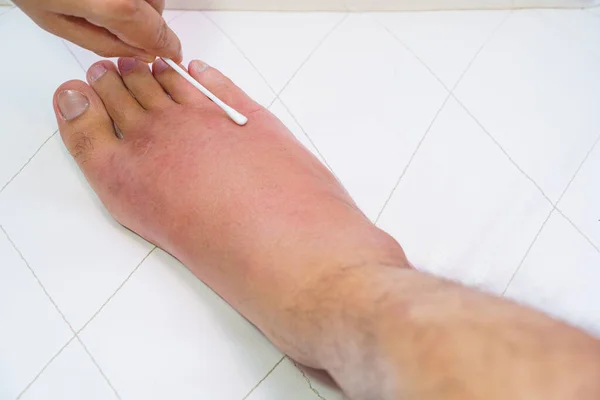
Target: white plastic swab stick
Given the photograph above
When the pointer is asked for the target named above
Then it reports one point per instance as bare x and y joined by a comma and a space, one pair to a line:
233, 114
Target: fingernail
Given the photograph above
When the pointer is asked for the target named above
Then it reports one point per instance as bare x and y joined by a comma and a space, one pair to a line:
159, 66
72, 104
127, 64
96, 72
200, 66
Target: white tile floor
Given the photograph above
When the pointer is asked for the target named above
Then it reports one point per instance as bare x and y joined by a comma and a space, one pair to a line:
482, 159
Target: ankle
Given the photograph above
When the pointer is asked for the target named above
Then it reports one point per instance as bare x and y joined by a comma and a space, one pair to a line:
312, 322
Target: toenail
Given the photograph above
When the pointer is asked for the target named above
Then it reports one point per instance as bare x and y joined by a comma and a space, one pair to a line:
159, 66
72, 104
127, 64
96, 72
199, 66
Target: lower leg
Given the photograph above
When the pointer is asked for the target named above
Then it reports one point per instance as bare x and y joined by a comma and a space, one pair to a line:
263, 223
391, 333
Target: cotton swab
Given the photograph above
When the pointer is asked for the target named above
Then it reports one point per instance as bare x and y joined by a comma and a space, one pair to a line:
233, 114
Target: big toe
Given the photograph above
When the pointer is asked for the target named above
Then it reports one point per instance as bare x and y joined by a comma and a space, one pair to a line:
85, 127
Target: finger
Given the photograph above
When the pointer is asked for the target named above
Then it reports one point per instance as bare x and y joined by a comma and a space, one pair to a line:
138, 24
158, 5
92, 37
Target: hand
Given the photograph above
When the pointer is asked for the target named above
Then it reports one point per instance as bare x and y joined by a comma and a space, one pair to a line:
109, 28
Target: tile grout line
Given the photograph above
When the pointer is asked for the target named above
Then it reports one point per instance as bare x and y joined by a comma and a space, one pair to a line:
308, 381
73, 55
39, 282
554, 208
302, 64
75, 333
116, 291
412, 157
537, 186
98, 312
450, 94
487, 41
309, 138
558, 210
37, 279
581, 164
404, 45
263, 378
512, 161
28, 161
98, 366
467, 68
41, 285
178, 14
312, 53
529, 248
271, 103
45, 367
242, 53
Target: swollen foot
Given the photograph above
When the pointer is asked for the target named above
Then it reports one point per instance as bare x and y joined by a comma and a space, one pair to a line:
248, 209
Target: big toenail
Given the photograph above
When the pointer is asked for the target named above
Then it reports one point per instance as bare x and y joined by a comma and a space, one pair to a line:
159, 66
199, 66
96, 72
72, 104
127, 64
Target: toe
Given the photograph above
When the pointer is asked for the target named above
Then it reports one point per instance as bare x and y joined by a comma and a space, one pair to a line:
85, 126
178, 88
222, 87
122, 107
139, 80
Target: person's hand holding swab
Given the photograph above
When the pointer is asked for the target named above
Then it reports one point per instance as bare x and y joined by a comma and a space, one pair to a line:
109, 28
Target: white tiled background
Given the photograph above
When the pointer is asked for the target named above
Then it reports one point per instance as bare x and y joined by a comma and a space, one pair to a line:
472, 137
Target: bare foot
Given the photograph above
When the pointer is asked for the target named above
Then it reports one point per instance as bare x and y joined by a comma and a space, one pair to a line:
260, 220
248, 209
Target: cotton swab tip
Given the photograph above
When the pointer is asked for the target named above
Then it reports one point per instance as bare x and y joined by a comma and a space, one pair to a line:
236, 116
